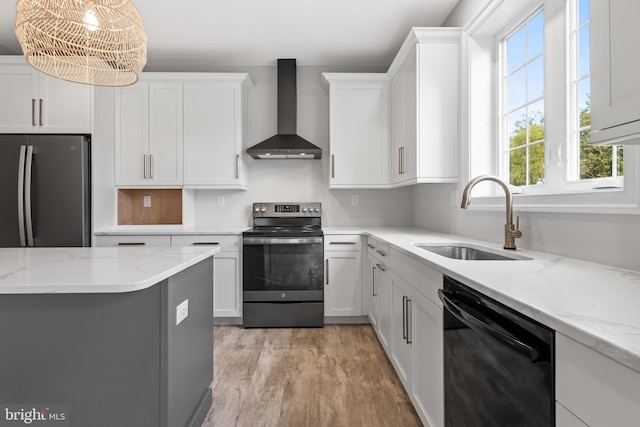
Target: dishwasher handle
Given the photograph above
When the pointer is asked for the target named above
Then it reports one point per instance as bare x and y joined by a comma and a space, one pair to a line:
517, 344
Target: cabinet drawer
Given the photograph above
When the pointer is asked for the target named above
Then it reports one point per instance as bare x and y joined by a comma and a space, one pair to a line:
132, 240
227, 243
597, 389
342, 242
425, 279
371, 245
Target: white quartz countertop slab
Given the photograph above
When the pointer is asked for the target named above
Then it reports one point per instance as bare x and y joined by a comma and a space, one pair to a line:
146, 230
595, 304
93, 270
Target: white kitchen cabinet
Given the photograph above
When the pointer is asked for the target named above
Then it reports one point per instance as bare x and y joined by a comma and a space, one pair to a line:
598, 390
379, 290
227, 271
402, 333
374, 290
33, 102
358, 130
149, 134
424, 107
132, 240
215, 129
615, 87
343, 283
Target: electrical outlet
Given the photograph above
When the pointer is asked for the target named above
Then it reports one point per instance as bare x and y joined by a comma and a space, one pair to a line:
354, 200
453, 197
220, 201
182, 311
146, 201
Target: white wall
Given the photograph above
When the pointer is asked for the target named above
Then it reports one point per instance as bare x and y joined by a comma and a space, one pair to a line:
269, 180
604, 238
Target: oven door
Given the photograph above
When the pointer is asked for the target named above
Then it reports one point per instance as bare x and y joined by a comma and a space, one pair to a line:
283, 269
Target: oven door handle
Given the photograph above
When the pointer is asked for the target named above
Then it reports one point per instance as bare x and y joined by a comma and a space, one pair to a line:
281, 240
457, 308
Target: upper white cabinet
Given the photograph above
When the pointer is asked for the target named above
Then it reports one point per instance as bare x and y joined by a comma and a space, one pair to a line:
148, 134
424, 80
358, 130
615, 87
33, 102
215, 127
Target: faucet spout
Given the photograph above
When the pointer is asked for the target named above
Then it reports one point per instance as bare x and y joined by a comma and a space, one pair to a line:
511, 231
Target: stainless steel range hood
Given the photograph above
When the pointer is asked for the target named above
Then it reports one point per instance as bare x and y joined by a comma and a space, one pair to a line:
286, 144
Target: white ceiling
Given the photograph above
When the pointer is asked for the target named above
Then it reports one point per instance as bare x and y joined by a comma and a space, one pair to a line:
196, 33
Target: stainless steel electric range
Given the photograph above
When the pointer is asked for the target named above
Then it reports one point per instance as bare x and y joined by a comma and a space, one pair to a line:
283, 272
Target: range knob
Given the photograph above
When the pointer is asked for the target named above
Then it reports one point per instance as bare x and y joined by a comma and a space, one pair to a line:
263, 209
304, 209
256, 209
317, 209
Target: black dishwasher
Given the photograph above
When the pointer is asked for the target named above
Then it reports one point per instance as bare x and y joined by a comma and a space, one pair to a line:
498, 364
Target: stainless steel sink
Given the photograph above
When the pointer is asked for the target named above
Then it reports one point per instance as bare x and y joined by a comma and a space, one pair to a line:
470, 252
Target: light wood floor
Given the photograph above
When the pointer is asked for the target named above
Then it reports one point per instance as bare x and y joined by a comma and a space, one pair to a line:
334, 376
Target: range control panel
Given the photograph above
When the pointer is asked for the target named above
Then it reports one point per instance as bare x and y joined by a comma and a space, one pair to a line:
287, 210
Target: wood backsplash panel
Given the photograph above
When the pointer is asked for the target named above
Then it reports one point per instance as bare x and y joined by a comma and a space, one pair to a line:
166, 207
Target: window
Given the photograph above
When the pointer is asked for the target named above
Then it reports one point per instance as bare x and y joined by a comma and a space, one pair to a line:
544, 125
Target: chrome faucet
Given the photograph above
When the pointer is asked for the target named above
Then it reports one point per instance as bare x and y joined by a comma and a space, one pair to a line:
511, 232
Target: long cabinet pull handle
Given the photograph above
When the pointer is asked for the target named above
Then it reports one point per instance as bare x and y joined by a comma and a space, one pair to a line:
333, 166
204, 243
383, 253
237, 166
144, 166
151, 166
402, 160
33, 112
40, 114
326, 272
373, 282
381, 267
370, 246
342, 243
408, 314
131, 243
399, 160
404, 318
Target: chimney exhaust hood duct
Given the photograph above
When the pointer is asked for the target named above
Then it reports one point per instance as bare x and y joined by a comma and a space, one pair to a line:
286, 144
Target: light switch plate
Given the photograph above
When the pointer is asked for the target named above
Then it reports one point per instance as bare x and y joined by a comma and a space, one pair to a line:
146, 201
354, 200
182, 311
220, 201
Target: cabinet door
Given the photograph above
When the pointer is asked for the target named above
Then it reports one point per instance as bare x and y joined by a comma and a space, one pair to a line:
343, 289
132, 134
18, 109
428, 381
212, 134
64, 107
615, 87
359, 135
227, 301
165, 133
402, 335
384, 302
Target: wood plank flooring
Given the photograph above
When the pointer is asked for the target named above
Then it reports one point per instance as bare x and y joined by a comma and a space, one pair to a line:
334, 376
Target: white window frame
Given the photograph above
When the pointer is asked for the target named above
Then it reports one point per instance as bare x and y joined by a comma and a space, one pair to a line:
481, 121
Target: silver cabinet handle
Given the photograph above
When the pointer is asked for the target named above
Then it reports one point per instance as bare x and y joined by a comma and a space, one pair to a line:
327, 271
333, 166
27, 195
205, 243
33, 112
144, 167
402, 160
151, 166
383, 253
342, 243
40, 118
399, 160
373, 281
381, 267
21, 161
370, 246
237, 166
131, 243
408, 315
404, 318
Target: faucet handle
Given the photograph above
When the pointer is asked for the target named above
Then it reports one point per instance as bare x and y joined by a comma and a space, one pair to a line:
515, 232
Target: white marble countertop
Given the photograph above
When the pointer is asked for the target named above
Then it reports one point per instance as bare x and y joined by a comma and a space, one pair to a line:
93, 270
594, 304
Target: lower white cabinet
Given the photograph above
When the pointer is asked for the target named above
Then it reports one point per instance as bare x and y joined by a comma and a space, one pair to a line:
343, 283
227, 264
374, 291
402, 330
594, 388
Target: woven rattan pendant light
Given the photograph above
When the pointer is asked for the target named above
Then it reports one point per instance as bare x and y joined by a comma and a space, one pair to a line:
99, 42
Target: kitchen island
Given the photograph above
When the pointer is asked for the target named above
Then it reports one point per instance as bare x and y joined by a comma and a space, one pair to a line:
107, 336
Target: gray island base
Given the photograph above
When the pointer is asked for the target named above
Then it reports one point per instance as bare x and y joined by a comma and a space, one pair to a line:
112, 359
